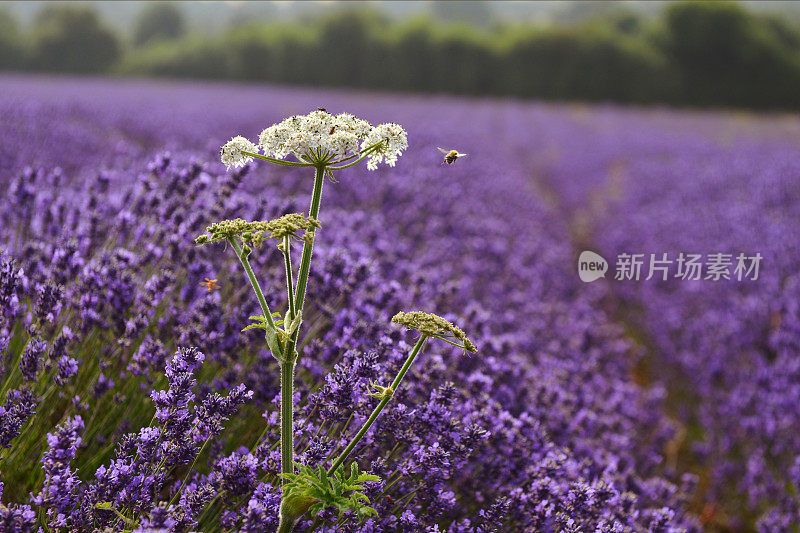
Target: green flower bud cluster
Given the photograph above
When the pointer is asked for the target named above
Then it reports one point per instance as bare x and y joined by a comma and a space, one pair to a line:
255, 233
436, 327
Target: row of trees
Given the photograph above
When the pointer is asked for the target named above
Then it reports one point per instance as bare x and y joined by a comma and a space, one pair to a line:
696, 54
73, 39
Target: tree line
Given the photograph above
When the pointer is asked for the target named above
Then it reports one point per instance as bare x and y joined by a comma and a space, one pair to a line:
707, 54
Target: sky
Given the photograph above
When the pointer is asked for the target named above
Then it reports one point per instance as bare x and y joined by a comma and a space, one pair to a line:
216, 15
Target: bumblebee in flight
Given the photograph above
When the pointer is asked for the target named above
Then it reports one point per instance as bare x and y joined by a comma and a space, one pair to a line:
450, 156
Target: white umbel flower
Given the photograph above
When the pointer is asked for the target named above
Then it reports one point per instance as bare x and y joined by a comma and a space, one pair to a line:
322, 137
232, 154
356, 126
394, 140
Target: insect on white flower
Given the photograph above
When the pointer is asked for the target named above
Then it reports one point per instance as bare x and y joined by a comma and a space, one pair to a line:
320, 137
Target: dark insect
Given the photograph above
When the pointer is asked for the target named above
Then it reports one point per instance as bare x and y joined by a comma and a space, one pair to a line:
450, 156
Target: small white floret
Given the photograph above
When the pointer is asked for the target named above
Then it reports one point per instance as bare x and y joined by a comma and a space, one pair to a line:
232, 153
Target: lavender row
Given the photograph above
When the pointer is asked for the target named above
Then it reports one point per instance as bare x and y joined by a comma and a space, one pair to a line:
727, 350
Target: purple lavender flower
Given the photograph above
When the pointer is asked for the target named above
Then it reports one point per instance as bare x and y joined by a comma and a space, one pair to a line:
194, 500
214, 410
3, 347
61, 483
31, 358
58, 348
49, 302
17, 519
150, 357
236, 474
159, 521
102, 385
19, 406
11, 280
67, 368
261, 513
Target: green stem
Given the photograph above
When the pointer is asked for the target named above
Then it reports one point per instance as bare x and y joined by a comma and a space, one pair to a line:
288, 519
308, 246
15, 371
287, 365
277, 161
253, 281
287, 255
378, 408
359, 154
188, 472
287, 416
366, 153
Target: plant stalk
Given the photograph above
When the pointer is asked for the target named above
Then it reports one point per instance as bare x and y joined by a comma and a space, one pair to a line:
287, 366
288, 519
378, 408
363, 155
287, 256
287, 416
277, 161
253, 281
308, 246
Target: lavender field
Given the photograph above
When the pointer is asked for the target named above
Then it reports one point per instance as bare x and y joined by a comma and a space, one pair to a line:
130, 399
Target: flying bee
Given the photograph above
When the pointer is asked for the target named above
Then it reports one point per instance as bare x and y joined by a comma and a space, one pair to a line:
450, 156
209, 283
322, 109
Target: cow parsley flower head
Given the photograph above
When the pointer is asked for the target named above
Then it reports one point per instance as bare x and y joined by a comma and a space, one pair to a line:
232, 153
320, 137
393, 139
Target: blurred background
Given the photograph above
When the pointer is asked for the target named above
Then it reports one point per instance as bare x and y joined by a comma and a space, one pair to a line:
743, 54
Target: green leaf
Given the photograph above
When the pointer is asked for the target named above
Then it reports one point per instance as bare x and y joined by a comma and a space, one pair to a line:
261, 322
336, 491
366, 510
294, 323
272, 341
